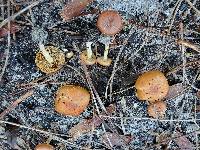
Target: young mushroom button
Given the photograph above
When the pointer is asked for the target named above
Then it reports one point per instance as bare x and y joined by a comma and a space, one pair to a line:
109, 22
71, 100
152, 86
157, 109
44, 146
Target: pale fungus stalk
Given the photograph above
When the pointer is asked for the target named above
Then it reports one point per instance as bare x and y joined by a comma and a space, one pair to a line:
104, 60
89, 50
105, 55
45, 53
87, 57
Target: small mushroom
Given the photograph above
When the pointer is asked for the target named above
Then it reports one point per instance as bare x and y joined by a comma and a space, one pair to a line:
39, 35
157, 109
57, 61
71, 100
152, 86
105, 61
44, 146
87, 57
70, 54
109, 22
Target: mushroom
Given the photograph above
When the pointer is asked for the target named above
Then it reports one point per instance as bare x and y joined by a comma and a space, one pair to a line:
105, 61
73, 9
152, 86
58, 59
44, 146
71, 100
70, 54
87, 57
45, 53
157, 109
109, 22
40, 36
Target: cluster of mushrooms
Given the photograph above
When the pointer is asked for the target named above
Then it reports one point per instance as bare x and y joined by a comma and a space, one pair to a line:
50, 59
72, 100
151, 86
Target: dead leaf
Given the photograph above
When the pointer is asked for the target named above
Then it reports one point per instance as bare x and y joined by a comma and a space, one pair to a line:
113, 139
73, 9
13, 29
175, 90
84, 127
183, 142
88, 124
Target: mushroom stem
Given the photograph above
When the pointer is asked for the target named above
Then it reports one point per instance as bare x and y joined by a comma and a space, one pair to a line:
89, 50
45, 53
105, 55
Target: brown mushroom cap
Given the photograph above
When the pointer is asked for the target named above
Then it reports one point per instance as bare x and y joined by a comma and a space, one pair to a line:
71, 100
85, 60
157, 109
44, 146
104, 62
152, 86
110, 22
58, 57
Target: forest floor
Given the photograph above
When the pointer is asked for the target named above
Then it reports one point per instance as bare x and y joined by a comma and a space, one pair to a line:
148, 41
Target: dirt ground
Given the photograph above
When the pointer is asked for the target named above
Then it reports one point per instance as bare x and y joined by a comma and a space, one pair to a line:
148, 41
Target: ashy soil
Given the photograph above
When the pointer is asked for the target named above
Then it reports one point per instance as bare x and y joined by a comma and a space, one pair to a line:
144, 44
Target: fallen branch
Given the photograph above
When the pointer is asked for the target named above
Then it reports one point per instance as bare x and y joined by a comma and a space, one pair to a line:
15, 103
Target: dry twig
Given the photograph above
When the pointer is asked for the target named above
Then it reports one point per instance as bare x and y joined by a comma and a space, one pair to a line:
188, 44
192, 6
